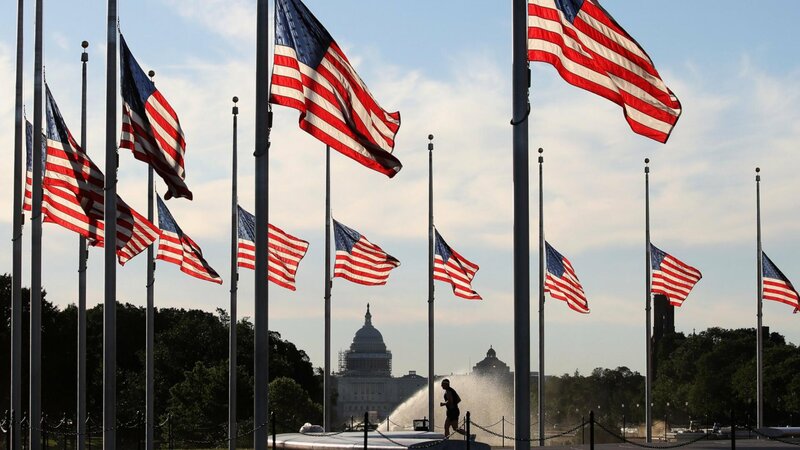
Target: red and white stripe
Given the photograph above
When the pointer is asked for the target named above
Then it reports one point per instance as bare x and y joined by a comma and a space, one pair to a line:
596, 54
27, 200
567, 288
285, 254
675, 280
185, 253
73, 198
459, 272
780, 291
337, 107
367, 264
157, 140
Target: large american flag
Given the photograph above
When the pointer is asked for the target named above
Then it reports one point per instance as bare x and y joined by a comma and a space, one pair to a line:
150, 127
177, 248
285, 250
359, 260
775, 285
561, 281
590, 50
671, 277
26, 202
449, 266
312, 74
73, 193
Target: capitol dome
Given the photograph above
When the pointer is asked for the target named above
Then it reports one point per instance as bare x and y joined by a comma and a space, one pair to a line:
368, 355
368, 339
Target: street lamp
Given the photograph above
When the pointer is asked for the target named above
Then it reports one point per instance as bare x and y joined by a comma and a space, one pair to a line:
623, 422
666, 421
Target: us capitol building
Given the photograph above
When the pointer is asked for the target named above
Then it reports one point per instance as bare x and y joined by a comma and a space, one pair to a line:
364, 381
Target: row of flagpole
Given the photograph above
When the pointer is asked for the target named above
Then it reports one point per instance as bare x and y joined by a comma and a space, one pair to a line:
520, 114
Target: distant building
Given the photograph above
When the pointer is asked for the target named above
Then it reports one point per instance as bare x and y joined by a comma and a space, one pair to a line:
364, 381
663, 325
491, 366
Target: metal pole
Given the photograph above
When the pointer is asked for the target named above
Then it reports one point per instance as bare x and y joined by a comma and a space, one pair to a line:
261, 308
151, 317
110, 206
541, 300
35, 402
648, 380
733, 430
522, 307
503, 431
467, 437
366, 428
760, 300
232, 367
591, 430
16, 238
431, 368
83, 255
274, 427
328, 286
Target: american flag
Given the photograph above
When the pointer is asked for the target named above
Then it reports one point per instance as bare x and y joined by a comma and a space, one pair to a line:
73, 193
177, 248
561, 281
591, 51
451, 267
285, 250
775, 285
150, 127
359, 260
26, 203
671, 277
312, 74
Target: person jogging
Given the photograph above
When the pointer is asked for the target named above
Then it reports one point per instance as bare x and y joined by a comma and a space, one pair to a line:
451, 401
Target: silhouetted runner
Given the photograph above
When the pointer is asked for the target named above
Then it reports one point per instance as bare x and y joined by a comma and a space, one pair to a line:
451, 401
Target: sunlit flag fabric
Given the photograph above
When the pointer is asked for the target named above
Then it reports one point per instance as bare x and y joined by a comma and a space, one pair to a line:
150, 127
285, 250
177, 248
591, 51
449, 266
359, 260
26, 202
561, 281
73, 194
671, 277
312, 74
776, 286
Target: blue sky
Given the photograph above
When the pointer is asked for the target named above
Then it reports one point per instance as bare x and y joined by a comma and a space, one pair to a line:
446, 67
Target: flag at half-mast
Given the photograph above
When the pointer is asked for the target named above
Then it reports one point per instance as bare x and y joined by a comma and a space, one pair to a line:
73, 193
175, 247
26, 202
285, 250
449, 266
150, 127
561, 281
671, 277
776, 286
312, 74
359, 260
590, 50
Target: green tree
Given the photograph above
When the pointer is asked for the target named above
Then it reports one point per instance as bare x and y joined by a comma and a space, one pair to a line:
292, 405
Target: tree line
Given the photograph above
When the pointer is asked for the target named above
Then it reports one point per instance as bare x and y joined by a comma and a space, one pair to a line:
191, 368
701, 377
